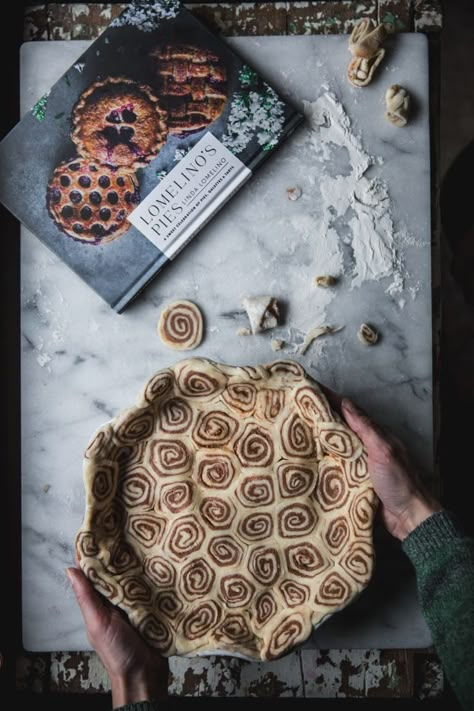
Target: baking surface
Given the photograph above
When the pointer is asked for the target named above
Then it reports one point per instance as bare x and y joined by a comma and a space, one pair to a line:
82, 363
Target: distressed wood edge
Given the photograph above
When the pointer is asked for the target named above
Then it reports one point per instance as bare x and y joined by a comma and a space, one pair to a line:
58, 21
384, 673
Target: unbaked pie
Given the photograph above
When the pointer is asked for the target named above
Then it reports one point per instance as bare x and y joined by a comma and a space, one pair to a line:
229, 511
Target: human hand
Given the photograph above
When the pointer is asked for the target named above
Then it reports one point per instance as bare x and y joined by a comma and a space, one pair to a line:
136, 672
405, 503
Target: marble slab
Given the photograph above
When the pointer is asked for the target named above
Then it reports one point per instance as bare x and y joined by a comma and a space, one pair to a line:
82, 363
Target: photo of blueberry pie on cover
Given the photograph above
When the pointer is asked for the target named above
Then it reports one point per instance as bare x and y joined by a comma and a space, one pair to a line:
119, 122
90, 202
192, 84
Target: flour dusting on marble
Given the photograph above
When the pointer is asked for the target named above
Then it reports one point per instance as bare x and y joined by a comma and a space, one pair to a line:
364, 203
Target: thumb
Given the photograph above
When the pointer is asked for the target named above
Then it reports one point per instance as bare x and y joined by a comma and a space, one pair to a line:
361, 424
92, 608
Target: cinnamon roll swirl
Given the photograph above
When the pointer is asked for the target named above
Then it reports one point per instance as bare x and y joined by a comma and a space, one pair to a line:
236, 590
217, 513
265, 565
201, 620
175, 416
147, 528
158, 386
176, 496
196, 579
256, 490
240, 397
294, 593
312, 405
169, 457
304, 559
198, 379
337, 534
181, 326
295, 520
265, 609
135, 425
214, 471
270, 403
185, 536
292, 628
296, 479
224, 551
255, 447
156, 632
214, 429
336, 438
334, 590
168, 604
296, 438
255, 527
137, 488
160, 571
331, 491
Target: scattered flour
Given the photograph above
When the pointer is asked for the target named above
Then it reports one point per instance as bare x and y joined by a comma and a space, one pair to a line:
363, 202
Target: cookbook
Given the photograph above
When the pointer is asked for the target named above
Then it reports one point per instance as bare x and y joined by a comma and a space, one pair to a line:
138, 145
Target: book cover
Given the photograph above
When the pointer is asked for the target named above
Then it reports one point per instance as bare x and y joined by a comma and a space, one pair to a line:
138, 145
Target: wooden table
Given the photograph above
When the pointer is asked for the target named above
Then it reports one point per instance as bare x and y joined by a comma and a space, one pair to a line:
308, 673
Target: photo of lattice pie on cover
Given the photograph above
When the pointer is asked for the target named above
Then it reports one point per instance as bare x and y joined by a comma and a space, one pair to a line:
230, 511
90, 202
119, 122
192, 83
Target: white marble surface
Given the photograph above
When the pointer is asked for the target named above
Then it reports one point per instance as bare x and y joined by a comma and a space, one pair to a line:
82, 363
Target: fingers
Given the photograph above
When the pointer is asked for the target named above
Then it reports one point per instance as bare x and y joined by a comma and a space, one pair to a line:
359, 421
90, 602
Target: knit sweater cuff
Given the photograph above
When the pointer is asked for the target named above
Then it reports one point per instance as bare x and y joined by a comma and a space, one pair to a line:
139, 706
431, 536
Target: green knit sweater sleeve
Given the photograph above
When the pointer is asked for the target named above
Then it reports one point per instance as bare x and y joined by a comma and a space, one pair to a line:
444, 563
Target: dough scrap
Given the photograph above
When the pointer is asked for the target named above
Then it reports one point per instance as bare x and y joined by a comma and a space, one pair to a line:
397, 101
316, 332
263, 312
181, 326
365, 45
230, 511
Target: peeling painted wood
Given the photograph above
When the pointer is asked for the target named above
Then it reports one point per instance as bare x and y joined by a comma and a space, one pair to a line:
78, 673
86, 21
428, 16
397, 13
357, 673
308, 673
227, 676
35, 26
309, 18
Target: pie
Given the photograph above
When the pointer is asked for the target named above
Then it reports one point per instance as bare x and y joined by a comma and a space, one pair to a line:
229, 512
119, 122
192, 83
90, 202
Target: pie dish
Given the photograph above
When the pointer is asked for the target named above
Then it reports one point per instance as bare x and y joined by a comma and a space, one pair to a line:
192, 82
90, 202
119, 122
230, 511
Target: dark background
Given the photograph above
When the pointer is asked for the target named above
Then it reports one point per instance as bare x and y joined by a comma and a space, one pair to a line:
457, 356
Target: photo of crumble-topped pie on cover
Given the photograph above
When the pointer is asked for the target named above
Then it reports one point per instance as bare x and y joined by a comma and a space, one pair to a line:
192, 83
119, 122
90, 202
